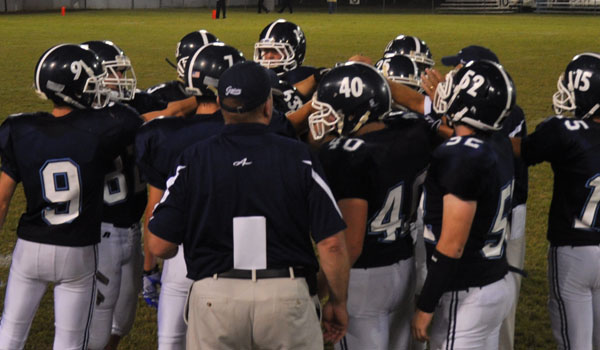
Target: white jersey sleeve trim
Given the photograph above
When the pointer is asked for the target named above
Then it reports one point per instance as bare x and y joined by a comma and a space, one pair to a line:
427, 106
319, 180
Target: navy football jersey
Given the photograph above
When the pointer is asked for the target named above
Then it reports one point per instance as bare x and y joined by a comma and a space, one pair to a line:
143, 102
474, 168
573, 149
62, 163
160, 141
173, 90
387, 169
297, 75
246, 171
286, 98
514, 126
125, 193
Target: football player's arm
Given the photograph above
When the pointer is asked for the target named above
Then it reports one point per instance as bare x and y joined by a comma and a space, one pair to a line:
516, 145
161, 247
154, 196
335, 266
457, 218
174, 108
299, 118
407, 97
354, 211
308, 86
7, 189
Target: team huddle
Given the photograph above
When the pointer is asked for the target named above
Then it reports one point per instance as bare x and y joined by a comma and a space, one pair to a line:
417, 181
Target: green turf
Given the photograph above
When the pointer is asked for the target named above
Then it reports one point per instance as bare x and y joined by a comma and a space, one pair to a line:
533, 48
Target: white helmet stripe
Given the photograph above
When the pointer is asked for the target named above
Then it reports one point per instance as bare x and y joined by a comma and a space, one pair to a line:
417, 44
268, 34
191, 66
204, 37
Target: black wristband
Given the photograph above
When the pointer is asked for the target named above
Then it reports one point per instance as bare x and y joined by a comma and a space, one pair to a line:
150, 272
440, 274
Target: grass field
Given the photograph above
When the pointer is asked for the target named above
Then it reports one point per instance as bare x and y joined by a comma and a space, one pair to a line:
533, 48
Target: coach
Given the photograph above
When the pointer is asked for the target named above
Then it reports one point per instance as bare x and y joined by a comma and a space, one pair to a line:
243, 203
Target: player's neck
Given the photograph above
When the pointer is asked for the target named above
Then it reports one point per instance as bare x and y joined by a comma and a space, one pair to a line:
61, 111
207, 108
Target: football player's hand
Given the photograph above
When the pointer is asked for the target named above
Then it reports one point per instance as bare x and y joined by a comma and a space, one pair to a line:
420, 323
151, 283
335, 321
430, 80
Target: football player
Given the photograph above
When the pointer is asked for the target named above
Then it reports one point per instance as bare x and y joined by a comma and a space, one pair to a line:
570, 145
468, 193
175, 89
158, 144
61, 158
120, 249
170, 91
376, 170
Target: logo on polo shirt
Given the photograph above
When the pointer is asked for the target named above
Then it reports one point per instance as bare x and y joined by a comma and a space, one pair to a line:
242, 162
230, 90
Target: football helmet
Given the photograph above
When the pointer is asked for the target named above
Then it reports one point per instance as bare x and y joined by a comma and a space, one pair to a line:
120, 75
205, 66
412, 47
287, 39
579, 87
480, 94
348, 97
72, 75
189, 44
400, 69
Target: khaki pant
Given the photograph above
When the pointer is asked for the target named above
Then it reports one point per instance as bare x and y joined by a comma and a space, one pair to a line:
276, 313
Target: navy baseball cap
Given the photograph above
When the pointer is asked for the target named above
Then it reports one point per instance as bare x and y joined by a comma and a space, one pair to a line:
470, 53
248, 83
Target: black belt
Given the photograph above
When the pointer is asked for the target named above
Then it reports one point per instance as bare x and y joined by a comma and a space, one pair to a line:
266, 273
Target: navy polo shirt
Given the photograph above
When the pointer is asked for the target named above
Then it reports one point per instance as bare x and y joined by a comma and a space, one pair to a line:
246, 171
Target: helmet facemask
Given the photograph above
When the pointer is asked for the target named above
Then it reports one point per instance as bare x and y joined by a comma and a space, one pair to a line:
120, 78
563, 100
287, 60
324, 120
442, 94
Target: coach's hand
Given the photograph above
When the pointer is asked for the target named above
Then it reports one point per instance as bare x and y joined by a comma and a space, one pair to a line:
335, 321
150, 288
419, 325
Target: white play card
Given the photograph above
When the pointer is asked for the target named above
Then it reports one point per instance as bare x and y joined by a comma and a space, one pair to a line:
250, 243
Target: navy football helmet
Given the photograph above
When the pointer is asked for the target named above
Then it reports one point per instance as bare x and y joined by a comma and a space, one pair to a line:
579, 87
400, 69
189, 44
348, 97
72, 75
412, 47
120, 75
205, 66
287, 39
480, 94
